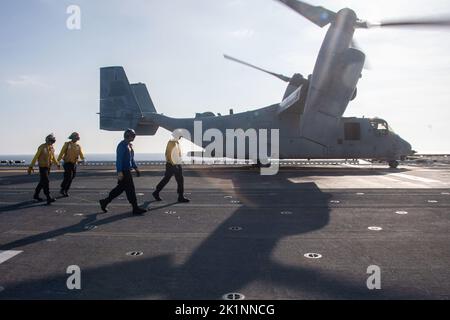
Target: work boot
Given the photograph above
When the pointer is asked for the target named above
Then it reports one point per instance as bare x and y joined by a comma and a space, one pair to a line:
138, 210
182, 199
63, 193
36, 197
50, 200
103, 204
156, 196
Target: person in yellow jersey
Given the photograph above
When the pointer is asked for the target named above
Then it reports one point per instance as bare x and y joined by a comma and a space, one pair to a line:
71, 153
173, 167
45, 156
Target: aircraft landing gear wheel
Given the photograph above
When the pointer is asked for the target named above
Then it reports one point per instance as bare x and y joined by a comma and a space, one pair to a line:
393, 164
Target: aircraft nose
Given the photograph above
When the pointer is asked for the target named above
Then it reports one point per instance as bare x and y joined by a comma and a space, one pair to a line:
409, 149
405, 148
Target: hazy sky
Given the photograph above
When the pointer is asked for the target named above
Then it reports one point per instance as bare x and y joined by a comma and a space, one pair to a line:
49, 80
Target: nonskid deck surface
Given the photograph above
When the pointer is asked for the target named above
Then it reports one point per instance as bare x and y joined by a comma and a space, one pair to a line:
241, 232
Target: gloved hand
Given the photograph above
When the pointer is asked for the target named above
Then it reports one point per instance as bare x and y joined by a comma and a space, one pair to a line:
30, 170
138, 173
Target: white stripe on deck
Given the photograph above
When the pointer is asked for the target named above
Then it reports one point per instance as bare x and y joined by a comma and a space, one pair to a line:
414, 178
400, 184
363, 182
6, 255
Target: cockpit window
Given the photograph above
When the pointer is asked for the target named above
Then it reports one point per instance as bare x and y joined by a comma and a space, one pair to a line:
380, 126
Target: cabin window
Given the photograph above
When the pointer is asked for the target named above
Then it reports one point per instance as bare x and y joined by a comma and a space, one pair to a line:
352, 131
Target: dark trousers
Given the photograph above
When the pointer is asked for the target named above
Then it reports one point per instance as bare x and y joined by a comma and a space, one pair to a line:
170, 171
127, 185
44, 182
70, 170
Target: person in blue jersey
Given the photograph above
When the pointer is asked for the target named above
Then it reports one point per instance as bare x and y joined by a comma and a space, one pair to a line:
124, 164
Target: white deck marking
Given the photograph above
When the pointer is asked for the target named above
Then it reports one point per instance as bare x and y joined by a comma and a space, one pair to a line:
6, 255
363, 182
403, 184
414, 178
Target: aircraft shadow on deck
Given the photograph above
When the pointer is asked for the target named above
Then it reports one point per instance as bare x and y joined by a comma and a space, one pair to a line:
90, 220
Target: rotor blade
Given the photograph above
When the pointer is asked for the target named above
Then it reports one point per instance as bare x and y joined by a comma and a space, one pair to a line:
316, 14
425, 22
279, 76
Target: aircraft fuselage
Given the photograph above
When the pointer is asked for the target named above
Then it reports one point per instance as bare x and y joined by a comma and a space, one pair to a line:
353, 137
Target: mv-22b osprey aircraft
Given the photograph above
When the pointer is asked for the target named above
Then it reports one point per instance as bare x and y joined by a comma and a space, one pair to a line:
309, 118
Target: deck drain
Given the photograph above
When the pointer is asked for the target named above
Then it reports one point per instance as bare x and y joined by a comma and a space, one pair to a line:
120, 198
233, 296
235, 228
228, 197
139, 194
235, 201
79, 214
286, 212
432, 201
170, 212
90, 227
375, 228
134, 253
60, 211
335, 201
445, 193
51, 240
401, 212
312, 255
360, 193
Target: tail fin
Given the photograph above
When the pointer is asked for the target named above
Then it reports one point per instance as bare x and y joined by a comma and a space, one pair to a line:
143, 98
122, 105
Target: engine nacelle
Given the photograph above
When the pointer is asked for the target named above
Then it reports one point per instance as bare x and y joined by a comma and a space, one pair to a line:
346, 74
332, 87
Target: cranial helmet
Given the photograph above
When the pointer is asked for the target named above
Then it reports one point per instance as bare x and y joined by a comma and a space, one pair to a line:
74, 136
129, 133
50, 138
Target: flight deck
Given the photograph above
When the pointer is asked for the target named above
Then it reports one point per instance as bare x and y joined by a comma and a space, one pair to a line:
309, 232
